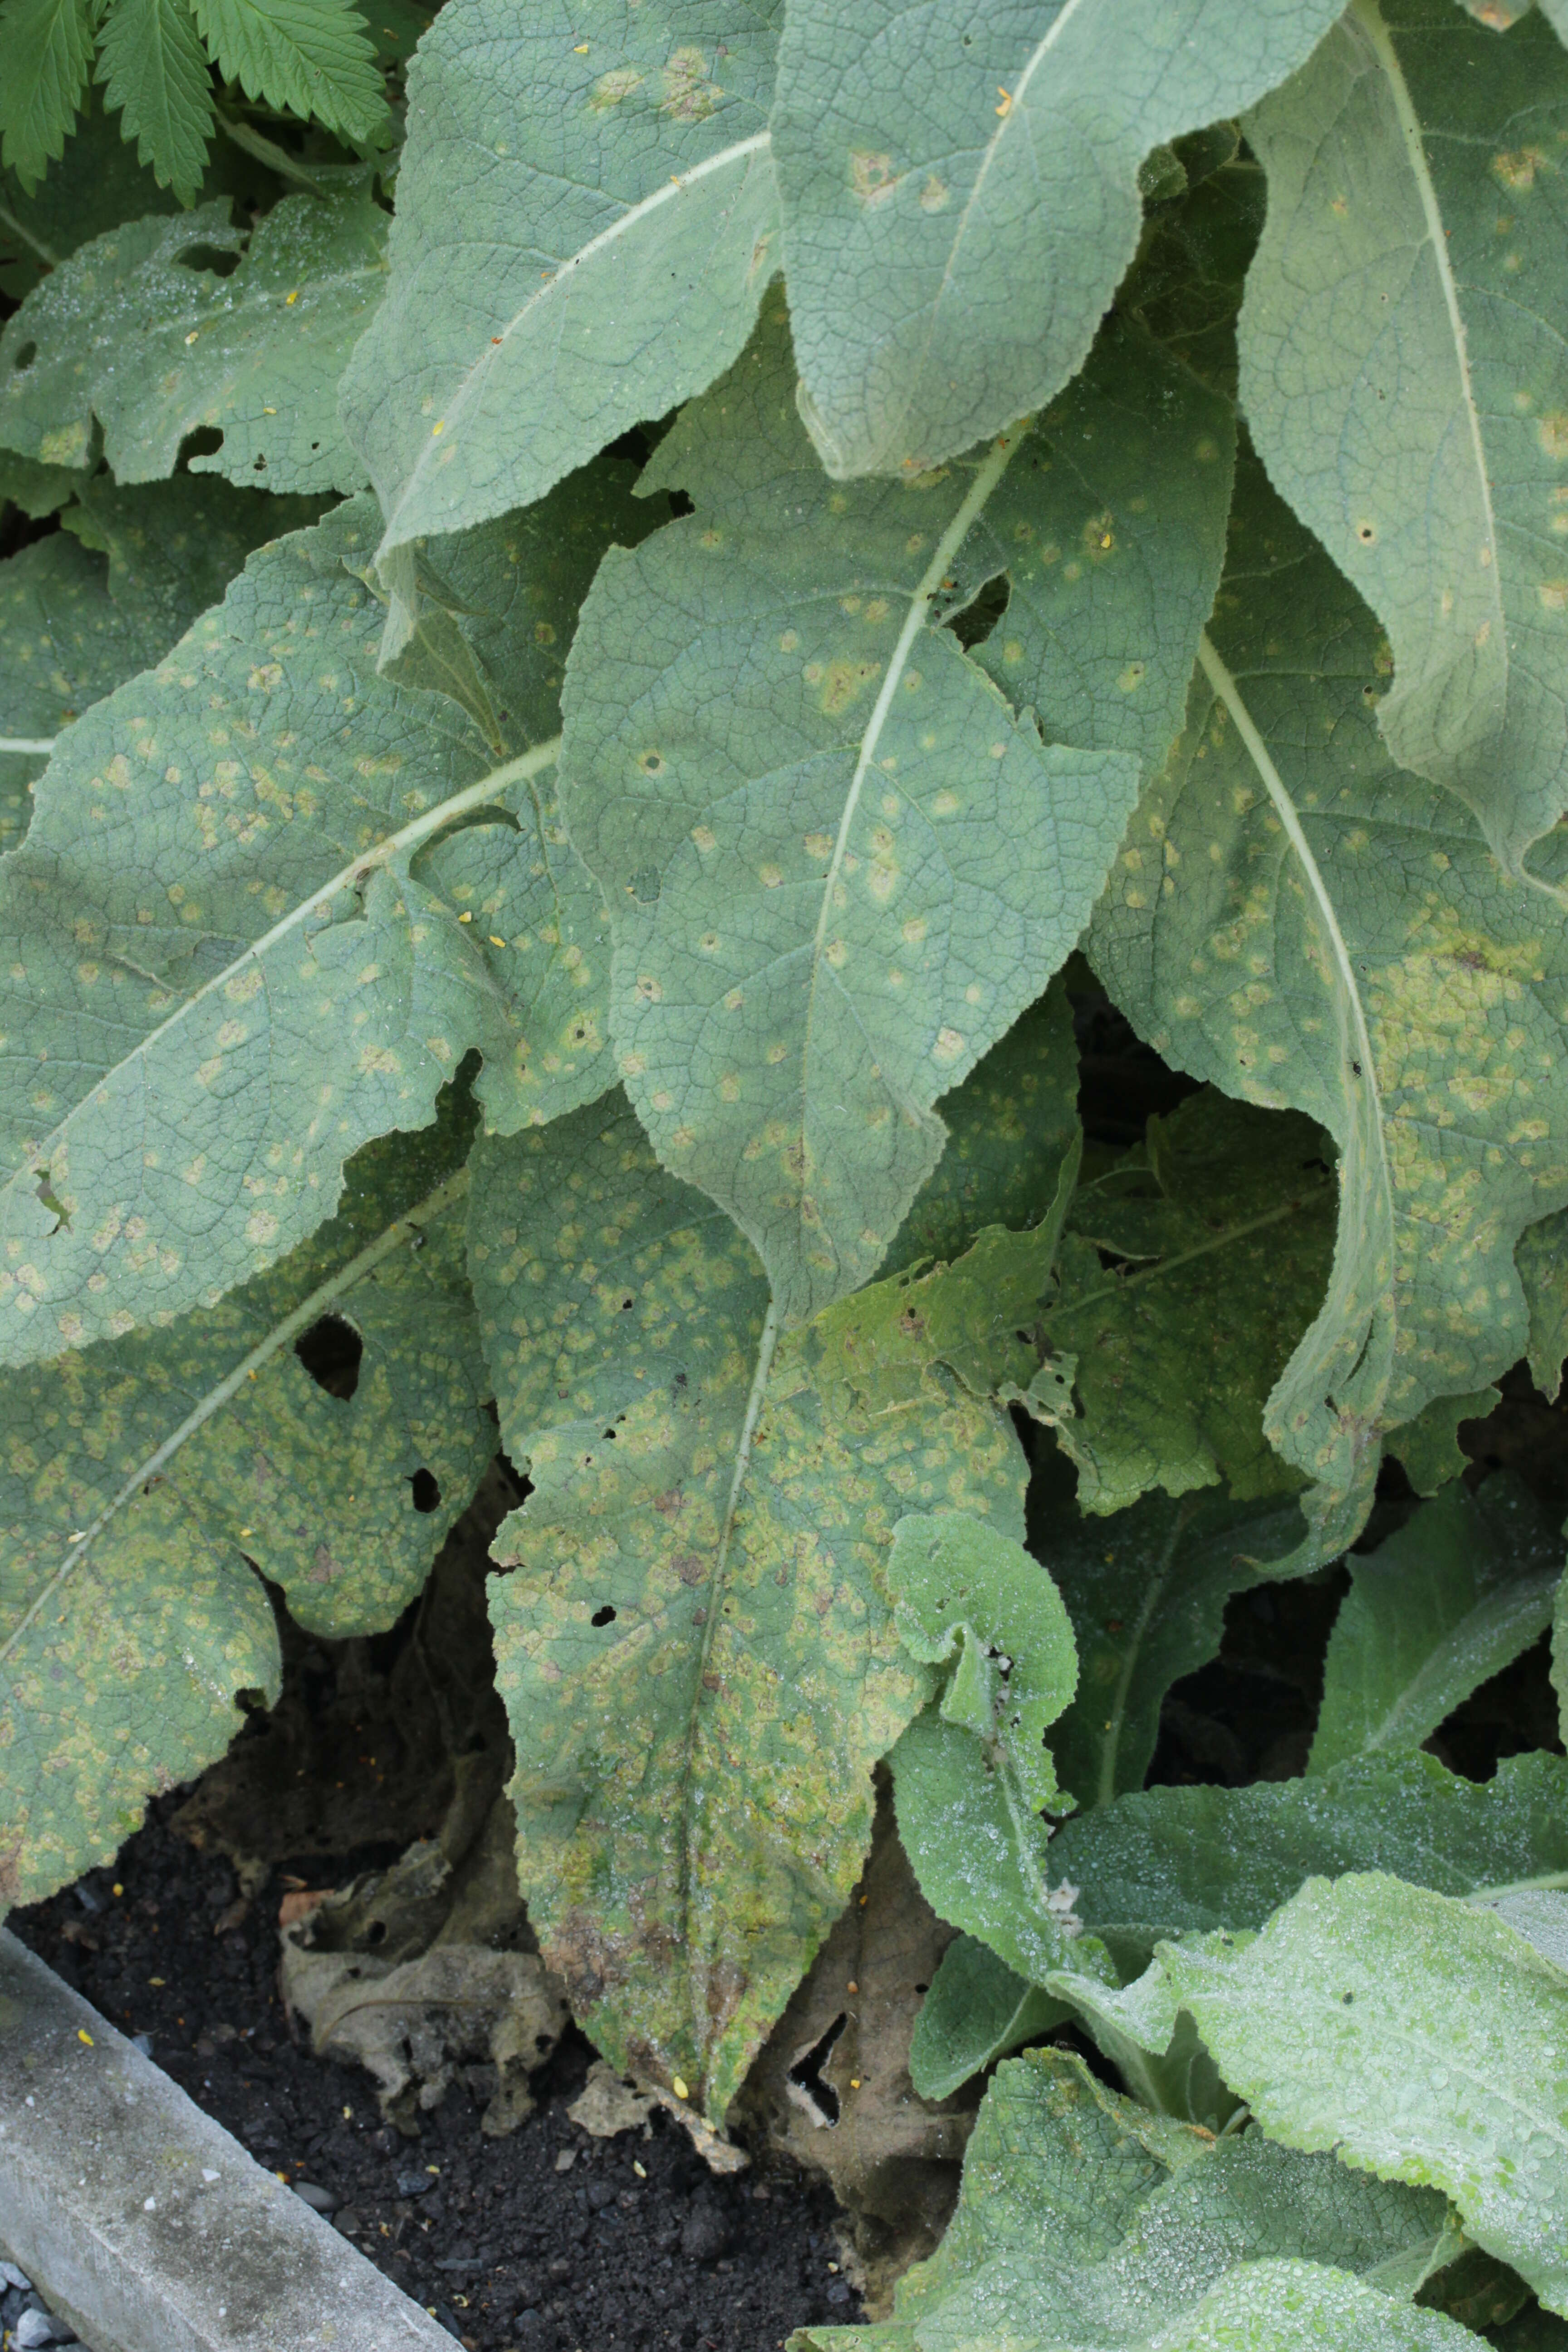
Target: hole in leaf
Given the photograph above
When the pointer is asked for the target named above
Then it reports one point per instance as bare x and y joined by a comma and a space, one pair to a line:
974, 623
208, 257
27, 353
605, 1616
203, 443
426, 1493
807, 2076
330, 1351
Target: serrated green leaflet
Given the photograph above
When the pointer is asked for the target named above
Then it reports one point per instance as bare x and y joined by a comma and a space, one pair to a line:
136, 331
961, 196
1170, 1861
101, 184
834, 888
1088, 2225
697, 1658
1421, 2037
156, 77
964, 1591
1187, 1274
140, 1477
976, 2011
586, 224
48, 50
1345, 943
1404, 377
1146, 1592
72, 628
226, 904
312, 56
1450, 1598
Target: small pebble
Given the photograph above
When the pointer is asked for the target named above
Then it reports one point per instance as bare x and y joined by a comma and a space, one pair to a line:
320, 2201
14, 2277
705, 2233
413, 2184
40, 2327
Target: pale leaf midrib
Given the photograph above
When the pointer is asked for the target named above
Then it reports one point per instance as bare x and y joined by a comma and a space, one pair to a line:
738, 152
1153, 1594
358, 869
1484, 1620
1368, 15
1122, 1284
1015, 114
973, 503
766, 1346
403, 1229
1230, 695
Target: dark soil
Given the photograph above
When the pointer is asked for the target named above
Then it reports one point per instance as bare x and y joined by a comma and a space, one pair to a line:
546, 2240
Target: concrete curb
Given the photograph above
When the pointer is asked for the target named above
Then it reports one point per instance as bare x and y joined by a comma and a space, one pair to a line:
142, 2222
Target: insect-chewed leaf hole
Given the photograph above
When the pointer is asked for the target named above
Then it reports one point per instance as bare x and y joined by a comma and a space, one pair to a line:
330, 1352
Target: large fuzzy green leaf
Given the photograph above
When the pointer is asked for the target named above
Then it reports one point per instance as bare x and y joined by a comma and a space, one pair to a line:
136, 331
976, 2010
1542, 1259
1219, 1234
141, 1478
1146, 1592
157, 79
981, 1855
240, 947
586, 224
695, 1647
1010, 1126
964, 1591
1422, 2039
1450, 1598
1109, 530
1086, 2225
72, 628
835, 885
63, 641
1182, 1861
1344, 942
960, 194
1405, 372
173, 547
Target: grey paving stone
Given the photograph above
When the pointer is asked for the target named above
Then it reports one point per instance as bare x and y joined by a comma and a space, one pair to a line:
143, 2222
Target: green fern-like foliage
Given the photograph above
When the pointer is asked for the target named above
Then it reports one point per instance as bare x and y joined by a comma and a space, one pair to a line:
156, 60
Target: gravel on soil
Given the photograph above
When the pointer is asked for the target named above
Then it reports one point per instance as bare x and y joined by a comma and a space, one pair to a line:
26, 2322
546, 2241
